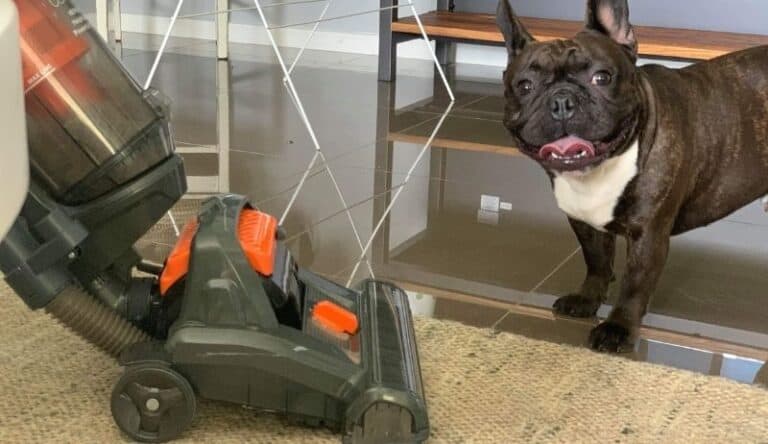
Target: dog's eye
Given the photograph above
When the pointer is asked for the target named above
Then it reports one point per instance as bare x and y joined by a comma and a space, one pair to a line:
525, 87
602, 78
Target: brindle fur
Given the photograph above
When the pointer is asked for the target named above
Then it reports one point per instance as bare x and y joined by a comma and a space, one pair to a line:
703, 133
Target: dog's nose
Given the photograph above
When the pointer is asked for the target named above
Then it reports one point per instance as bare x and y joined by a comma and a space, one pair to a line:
562, 106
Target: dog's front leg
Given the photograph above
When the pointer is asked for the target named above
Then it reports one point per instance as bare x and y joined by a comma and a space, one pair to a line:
646, 256
599, 250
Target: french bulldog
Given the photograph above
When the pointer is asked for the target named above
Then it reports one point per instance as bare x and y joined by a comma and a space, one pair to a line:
640, 152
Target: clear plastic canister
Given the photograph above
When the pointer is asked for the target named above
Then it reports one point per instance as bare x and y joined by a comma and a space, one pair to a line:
90, 126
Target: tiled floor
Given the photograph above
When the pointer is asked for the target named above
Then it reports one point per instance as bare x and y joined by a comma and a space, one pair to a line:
500, 269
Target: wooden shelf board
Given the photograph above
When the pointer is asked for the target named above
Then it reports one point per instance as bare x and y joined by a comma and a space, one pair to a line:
453, 144
654, 41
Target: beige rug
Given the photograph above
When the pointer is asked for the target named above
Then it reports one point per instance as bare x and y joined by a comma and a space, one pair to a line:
481, 389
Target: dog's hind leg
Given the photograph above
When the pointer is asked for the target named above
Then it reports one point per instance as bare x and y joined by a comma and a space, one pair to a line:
599, 250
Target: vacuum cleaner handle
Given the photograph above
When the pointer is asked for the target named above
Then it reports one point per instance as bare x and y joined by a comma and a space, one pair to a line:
13, 156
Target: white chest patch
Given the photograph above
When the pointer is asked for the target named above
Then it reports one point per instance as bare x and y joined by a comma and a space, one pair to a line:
592, 197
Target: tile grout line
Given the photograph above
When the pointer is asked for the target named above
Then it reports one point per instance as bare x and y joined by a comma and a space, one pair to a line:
471, 102
427, 146
321, 167
539, 285
337, 213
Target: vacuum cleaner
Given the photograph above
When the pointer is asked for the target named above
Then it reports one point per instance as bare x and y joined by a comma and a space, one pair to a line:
229, 315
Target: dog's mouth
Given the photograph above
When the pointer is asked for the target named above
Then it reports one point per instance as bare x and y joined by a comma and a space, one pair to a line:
569, 153
572, 153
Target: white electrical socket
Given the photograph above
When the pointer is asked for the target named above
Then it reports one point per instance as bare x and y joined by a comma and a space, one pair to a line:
490, 203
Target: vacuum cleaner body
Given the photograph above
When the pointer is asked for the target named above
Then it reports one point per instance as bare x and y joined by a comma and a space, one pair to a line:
229, 315
103, 170
256, 330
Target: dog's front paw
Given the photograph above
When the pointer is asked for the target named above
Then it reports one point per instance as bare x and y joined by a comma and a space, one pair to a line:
611, 337
577, 306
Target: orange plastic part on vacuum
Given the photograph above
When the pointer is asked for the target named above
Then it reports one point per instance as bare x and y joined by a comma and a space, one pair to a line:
335, 318
177, 264
257, 233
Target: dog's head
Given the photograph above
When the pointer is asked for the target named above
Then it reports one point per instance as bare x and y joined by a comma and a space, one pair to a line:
571, 104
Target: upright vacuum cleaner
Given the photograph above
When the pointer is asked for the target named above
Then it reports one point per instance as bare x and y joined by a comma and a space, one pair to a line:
229, 316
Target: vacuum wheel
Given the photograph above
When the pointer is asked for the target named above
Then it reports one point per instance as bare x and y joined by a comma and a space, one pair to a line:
153, 403
383, 423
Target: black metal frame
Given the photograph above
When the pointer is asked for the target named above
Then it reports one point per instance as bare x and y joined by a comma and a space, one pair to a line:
389, 40
383, 176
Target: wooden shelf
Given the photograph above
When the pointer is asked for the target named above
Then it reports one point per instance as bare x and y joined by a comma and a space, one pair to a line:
658, 42
454, 144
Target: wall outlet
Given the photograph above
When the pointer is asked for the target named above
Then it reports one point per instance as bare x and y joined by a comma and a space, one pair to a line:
490, 203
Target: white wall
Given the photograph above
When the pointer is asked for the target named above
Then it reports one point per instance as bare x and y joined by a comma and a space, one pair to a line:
364, 24
360, 34
749, 16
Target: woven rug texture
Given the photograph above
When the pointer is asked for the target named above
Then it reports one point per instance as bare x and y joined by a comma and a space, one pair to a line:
481, 388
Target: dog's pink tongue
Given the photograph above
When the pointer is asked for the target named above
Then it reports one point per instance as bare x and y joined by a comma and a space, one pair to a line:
568, 147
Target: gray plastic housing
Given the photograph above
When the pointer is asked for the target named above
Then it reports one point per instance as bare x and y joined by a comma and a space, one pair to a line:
230, 344
52, 246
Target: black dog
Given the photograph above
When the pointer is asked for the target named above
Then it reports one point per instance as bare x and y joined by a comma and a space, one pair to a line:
644, 153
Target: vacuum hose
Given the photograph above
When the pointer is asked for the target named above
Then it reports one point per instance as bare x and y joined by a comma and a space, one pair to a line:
93, 321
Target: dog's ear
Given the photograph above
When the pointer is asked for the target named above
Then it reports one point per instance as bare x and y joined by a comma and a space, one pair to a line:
611, 17
516, 36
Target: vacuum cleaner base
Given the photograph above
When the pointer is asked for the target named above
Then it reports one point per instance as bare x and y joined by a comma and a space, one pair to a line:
290, 341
